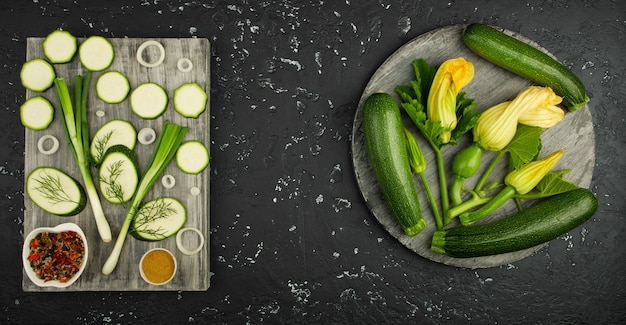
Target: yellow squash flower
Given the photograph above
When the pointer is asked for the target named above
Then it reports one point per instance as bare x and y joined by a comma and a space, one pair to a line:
542, 116
451, 77
531, 173
417, 161
496, 126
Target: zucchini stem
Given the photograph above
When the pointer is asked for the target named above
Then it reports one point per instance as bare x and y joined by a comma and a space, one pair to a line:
456, 190
468, 218
457, 210
443, 180
433, 202
485, 176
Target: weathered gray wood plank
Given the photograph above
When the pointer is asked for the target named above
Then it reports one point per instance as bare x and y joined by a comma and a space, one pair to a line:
491, 85
193, 271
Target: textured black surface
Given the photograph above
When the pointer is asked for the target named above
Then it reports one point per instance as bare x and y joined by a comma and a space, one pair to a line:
292, 241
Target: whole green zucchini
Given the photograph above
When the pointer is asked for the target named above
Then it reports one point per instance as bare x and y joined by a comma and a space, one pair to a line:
526, 61
386, 145
535, 225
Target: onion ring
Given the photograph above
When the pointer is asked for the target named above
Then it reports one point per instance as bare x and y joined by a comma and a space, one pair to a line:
146, 136
143, 47
184, 65
168, 181
53, 149
181, 247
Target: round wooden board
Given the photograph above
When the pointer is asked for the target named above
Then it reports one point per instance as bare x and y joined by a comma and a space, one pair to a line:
491, 85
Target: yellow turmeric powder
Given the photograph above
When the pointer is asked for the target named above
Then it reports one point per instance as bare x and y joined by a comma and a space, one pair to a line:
158, 266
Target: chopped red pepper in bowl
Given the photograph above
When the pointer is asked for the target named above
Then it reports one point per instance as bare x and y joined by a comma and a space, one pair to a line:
55, 257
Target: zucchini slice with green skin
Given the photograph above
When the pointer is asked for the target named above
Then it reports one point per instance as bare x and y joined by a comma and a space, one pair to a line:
192, 157
118, 174
112, 133
37, 75
386, 145
55, 192
159, 219
59, 46
190, 100
36, 113
96, 53
530, 227
149, 100
526, 61
112, 87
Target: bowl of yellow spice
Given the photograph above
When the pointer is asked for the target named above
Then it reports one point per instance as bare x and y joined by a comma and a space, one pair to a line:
158, 266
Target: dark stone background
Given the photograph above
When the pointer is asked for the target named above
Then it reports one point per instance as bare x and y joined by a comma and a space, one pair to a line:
291, 239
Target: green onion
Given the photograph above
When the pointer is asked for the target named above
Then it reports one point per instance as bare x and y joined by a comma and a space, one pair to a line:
169, 140
76, 128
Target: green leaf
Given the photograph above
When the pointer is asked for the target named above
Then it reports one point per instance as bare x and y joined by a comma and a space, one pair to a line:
555, 183
424, 76
413, 108
414, 98
525, 145
467, 116
432, 131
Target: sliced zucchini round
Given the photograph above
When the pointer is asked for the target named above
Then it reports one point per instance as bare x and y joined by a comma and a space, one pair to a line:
55, 192
112, 133
159, 219
96, 53
36, 113
190, 100
149, 100
192, 157
37, 75
112, 87
59, 46
118, 174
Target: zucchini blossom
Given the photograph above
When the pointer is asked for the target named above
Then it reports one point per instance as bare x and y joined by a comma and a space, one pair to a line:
531, 173
534, 106
451, 77
542, 116
417, 161
519, 181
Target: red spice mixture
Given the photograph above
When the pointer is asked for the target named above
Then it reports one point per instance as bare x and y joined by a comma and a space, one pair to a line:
56, 256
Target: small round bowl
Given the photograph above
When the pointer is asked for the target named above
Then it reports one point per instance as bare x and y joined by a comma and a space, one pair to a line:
26, 252
146, 267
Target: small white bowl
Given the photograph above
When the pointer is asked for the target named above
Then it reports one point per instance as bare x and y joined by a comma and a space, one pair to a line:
146, 277
26, 252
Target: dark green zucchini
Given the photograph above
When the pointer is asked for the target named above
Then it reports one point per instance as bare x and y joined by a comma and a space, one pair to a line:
526, 61
535, 225
386, 144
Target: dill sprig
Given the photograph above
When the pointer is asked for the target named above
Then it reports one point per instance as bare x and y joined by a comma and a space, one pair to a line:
155, 210
51, 188
114, 189
100, 145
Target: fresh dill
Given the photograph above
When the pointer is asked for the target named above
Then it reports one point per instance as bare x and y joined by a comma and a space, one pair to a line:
51, 188
149, 213
100, 145
114, 189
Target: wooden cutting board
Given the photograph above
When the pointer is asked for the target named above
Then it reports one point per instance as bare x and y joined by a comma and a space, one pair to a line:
193, 271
